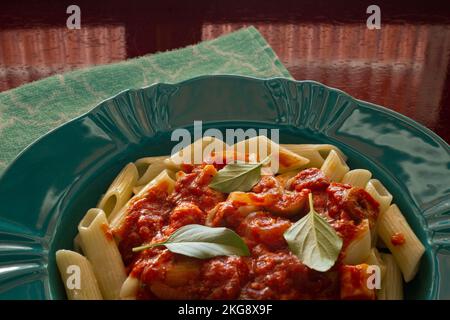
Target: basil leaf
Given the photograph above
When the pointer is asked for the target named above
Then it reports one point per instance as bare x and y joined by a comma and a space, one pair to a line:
314, 241
237, 177
203, 242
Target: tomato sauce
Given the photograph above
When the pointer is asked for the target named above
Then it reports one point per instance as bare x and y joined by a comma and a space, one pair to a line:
354, 283
398, 239
107, 231
271, 271
193, 187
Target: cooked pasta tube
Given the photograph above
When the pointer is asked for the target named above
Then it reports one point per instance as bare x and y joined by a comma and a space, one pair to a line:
380, 194
376, 189
253, 200
138, 189
392, 283
325, 150
374, 258
101, 249
78, 276
398, 236
195, 152
282, 159
358, 249
164, 179
316, 153
148, 168
119, 191
357, 177
315, 158
129, 289
334, 167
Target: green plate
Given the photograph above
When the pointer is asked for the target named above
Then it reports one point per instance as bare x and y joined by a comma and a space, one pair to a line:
47, 189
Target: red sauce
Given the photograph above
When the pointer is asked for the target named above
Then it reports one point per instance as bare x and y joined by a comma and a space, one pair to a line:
351, 204
281, 202
266, 183
271, 271
398, 239
264, 228
193, 187
228, 214
106, 231
145, 220
311, 178
277, 274
354, 283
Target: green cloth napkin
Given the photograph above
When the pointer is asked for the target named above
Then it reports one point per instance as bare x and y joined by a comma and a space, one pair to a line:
33, 109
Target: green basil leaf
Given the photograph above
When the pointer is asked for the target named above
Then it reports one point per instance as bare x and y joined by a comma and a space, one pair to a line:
203, 242
237, 177
314, 241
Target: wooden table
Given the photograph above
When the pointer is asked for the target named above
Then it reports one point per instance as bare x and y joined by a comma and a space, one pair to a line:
404, 66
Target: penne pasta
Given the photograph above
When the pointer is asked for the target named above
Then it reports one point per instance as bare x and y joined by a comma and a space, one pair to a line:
359, 248
334, 167
357, 177
165, 179
325, 150
148, 168
315, 158
138, 189
77, 276
392, 283
129, 289
194, 153
398, 236
380, 194
119, 191
374, 259
282, 160
101, 249
376, 189
205, 214
316, 153
245, 199
170, 173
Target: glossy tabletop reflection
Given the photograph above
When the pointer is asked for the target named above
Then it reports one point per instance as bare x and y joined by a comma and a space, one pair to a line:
404, 66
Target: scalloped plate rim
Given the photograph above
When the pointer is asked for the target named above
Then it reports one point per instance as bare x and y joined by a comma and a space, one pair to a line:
374, 106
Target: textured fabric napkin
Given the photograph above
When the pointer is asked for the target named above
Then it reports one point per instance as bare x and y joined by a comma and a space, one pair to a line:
33, 109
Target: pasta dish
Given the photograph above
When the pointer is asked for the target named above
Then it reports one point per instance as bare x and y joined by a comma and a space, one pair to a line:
230, 227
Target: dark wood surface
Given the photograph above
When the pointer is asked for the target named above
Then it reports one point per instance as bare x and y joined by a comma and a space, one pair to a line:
404, 66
